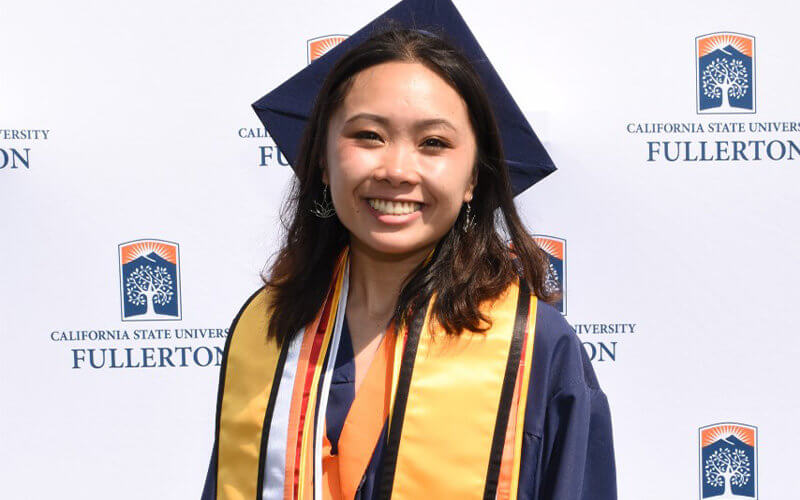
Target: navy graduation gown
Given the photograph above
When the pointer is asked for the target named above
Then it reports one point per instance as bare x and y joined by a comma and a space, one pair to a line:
567, 446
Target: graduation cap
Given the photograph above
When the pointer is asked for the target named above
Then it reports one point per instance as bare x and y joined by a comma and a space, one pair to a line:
285, 111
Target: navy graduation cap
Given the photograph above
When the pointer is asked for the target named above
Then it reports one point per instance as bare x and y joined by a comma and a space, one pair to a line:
285, 111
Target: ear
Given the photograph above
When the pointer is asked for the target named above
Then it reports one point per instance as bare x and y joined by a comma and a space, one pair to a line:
325, 179
471, 187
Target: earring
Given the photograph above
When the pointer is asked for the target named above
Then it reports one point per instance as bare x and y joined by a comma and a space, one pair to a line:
469, 221
325, 209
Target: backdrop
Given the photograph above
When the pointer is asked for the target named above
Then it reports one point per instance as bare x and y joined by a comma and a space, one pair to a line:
139, 197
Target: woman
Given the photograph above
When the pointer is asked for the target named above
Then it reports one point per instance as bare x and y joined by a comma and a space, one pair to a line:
399, 347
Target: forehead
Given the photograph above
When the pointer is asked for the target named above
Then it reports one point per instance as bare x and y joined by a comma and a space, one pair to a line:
404, 91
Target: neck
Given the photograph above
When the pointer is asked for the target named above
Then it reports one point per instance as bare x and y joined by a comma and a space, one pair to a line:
376, 278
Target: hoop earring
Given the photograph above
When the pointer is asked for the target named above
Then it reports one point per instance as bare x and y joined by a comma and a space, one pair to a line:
469, 221
325, 209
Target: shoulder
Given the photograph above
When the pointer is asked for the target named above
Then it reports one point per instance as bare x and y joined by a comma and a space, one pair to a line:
252, 317
255, 305
558, 348
560, 366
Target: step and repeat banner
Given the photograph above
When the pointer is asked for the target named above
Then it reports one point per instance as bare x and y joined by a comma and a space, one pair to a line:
140, 198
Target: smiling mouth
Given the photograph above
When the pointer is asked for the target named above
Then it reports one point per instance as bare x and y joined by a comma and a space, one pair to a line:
394, 207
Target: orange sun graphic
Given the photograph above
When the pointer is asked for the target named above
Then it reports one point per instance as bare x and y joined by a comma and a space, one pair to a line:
712, 43
318, 48
136, 250
713, 434
553, 248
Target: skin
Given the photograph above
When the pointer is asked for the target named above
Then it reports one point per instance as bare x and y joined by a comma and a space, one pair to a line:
386, 152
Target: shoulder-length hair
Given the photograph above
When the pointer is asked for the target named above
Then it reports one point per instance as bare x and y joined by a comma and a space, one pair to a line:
466, 268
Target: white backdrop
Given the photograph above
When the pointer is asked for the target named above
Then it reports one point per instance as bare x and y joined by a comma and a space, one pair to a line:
144, 104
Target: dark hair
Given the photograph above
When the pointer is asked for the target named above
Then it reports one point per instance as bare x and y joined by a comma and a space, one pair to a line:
466, 268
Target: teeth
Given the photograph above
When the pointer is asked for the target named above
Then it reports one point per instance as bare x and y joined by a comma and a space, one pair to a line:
393, 207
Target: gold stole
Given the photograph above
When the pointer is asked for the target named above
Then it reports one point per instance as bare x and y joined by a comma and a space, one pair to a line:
457, 413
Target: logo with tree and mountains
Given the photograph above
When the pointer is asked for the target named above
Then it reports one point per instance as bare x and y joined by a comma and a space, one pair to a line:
725, 73
150, 287
728, 461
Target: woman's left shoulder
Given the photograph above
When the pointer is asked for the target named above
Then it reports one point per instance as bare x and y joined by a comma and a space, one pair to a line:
559, 358
560, 368
558, 347
567, 416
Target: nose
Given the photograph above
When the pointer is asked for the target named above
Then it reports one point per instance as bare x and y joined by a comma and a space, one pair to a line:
398, 165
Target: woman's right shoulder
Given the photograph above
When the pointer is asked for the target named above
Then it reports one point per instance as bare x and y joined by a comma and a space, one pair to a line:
252, 314
256, 300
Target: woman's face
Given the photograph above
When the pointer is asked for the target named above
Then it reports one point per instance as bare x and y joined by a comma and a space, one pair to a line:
399, 158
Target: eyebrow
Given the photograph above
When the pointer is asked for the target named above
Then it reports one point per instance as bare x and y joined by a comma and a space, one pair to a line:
419, 124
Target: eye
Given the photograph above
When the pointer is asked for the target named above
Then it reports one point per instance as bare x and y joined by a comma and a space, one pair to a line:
367, 135
435, 142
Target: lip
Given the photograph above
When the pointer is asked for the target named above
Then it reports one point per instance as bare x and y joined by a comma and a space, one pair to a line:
397, 200
394, 220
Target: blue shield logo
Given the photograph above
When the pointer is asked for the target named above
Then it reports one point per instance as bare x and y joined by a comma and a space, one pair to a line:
725, 73
150, 286
728, 461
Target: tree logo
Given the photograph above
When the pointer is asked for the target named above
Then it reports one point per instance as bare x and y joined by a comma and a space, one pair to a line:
725, 73
728, 461
150, 286
556, 249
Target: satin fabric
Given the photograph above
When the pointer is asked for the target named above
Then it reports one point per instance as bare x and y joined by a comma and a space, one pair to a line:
567, 443
365, 413
355, 420
567, 450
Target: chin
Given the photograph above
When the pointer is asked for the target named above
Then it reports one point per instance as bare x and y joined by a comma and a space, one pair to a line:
396, 244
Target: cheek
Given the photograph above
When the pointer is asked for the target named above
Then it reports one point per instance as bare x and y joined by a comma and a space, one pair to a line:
450, 179
348, 155
341, 168
352, 163
349, 170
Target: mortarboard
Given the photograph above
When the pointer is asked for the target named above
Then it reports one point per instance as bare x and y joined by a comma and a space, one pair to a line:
285, 111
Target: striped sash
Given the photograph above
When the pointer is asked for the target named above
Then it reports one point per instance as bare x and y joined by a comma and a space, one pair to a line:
456, 415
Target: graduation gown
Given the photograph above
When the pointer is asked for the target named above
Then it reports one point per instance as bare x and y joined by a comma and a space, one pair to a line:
567, 445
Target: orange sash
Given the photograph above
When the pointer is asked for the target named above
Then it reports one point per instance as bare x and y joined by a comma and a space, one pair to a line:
362, 427
455, 406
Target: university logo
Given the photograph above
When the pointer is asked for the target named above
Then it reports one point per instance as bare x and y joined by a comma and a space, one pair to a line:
728, 461
556, 249
317, 47
725, 79
149, 278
